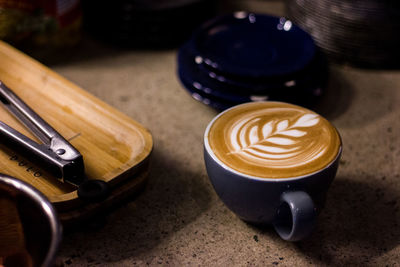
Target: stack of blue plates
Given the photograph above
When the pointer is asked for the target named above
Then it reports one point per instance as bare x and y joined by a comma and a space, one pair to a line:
243, 57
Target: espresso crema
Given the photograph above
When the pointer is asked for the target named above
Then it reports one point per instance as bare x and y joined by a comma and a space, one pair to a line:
273, 140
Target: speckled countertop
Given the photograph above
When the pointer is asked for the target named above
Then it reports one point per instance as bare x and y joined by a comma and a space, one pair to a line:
179, 220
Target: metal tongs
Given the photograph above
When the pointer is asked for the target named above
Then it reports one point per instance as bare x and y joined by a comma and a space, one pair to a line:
56, 155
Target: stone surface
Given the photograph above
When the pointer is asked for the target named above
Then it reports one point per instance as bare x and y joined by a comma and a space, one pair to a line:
178, 219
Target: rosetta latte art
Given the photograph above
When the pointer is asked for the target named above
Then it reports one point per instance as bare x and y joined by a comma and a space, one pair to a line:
273, 140
274, 143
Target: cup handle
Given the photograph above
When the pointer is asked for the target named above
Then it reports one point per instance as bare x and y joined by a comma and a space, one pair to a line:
296, 216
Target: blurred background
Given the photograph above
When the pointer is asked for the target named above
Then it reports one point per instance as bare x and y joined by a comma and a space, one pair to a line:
362, 33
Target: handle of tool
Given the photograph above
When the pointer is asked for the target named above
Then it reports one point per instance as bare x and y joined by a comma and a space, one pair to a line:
39, 127
40, 155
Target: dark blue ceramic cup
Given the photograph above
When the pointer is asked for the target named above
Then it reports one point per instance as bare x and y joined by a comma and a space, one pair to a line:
290, 204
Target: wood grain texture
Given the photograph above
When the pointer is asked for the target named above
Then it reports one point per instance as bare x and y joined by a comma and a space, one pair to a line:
112, 144
11, 232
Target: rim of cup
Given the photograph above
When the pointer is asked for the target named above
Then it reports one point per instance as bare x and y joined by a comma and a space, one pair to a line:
252, 177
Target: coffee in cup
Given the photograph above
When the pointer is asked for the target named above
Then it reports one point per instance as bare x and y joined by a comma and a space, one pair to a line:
272, 163
273, 140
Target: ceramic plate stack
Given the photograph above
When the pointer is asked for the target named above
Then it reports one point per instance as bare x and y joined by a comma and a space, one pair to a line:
145, 23
243, 57
364, 33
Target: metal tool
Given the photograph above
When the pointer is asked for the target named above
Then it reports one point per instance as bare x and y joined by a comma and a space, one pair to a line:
56, 155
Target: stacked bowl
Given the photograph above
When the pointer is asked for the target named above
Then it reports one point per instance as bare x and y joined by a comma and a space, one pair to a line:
244, 57
364, 33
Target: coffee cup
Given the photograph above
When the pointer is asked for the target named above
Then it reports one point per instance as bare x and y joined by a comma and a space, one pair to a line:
272, 163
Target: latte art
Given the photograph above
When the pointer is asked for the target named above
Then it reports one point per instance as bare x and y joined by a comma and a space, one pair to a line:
272, 143
273, 140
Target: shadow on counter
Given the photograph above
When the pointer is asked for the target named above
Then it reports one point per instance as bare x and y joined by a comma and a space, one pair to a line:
359, 223
338, 96
357, 97
174, 197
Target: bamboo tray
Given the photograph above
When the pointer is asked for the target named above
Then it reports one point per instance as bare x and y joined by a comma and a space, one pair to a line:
115, 148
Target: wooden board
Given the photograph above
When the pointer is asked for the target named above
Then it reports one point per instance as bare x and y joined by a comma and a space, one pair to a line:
114, 146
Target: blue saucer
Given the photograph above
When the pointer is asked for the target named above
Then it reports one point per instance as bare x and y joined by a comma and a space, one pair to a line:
301, 91
212, 96
204, 98
187, 58
253, 46
208, 87
314, 70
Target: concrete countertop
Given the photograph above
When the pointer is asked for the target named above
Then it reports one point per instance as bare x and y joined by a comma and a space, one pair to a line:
179, 220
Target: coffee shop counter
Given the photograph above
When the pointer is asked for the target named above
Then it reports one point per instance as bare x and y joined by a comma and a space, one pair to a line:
179, 220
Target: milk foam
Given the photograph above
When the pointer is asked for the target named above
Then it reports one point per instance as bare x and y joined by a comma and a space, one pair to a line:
273, 142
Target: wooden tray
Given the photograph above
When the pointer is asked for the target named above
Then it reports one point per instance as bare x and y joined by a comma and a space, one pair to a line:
114, 146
